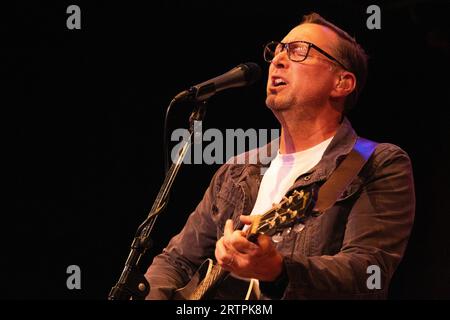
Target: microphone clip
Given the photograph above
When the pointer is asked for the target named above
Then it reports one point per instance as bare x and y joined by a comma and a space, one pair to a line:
197, 93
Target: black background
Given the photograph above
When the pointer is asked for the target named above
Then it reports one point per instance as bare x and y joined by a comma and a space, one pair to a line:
83, 111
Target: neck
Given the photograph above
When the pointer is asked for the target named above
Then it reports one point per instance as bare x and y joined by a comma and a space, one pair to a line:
299, 134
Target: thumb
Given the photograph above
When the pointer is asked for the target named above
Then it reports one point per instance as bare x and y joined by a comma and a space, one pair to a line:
247, 219
265, 242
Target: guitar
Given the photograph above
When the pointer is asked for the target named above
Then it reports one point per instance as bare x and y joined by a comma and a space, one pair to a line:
212, 282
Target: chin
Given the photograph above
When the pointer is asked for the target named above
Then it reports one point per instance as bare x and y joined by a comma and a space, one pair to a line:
276, 104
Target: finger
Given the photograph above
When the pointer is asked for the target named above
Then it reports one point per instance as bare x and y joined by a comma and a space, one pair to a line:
221, 252
224, 258
228, 230
247, 219
242, 245
265, 245
237, 242
264, 242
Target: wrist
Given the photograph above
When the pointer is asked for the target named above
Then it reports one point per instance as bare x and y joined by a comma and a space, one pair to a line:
275, 288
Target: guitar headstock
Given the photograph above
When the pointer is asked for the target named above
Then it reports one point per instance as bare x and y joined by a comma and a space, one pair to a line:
291, 210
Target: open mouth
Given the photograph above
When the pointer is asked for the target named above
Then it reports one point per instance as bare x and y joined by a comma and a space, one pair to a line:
278, 82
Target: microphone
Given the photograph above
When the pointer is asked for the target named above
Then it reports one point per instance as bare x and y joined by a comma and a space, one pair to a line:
243, 75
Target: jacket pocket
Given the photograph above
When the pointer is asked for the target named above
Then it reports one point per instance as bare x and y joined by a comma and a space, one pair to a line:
226, 206
323, 234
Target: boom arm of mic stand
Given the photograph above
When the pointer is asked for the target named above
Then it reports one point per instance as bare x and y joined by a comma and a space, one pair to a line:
133, 284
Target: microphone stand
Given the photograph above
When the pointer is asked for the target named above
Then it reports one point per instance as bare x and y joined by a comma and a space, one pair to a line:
132, 284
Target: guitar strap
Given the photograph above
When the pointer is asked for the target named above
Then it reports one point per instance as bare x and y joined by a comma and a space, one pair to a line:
345, 173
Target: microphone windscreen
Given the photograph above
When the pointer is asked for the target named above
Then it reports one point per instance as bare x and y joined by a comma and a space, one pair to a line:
252, 72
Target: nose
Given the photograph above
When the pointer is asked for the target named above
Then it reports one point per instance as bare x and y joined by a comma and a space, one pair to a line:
281, 59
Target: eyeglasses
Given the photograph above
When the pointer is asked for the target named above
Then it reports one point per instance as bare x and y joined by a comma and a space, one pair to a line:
297, 51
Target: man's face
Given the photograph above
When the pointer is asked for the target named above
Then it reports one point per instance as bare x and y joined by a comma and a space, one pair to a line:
308, 83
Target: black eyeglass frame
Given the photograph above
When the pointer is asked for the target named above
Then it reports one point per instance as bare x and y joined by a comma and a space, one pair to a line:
310, 45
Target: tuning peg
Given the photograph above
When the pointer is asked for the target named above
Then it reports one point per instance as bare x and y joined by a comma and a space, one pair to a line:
299, 227
298, 193
277, 238
292, 213
286, 232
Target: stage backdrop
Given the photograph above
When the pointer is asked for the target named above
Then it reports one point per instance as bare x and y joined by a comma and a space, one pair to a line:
83, 114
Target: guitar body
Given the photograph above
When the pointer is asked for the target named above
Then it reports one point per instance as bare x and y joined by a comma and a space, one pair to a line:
228, 288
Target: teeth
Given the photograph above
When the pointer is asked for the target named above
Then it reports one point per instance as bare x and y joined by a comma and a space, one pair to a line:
278, 81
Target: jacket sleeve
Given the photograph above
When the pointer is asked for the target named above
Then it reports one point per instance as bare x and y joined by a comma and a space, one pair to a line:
186, 251
376, 234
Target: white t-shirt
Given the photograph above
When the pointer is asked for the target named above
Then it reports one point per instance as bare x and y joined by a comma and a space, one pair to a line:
282, 173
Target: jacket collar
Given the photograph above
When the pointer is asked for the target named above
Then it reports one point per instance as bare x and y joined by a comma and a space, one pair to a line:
256, 161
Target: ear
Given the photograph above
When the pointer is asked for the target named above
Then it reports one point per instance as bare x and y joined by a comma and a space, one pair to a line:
344, 85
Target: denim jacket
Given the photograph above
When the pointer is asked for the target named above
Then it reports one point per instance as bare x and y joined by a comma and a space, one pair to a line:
331, 257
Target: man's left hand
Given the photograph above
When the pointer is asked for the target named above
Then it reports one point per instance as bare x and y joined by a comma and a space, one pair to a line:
246, 259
